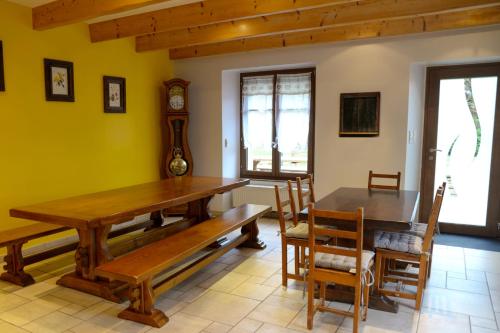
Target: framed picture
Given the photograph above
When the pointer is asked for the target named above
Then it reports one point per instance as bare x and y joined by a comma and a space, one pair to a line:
59, 81
2, 78
114, 94
359, 114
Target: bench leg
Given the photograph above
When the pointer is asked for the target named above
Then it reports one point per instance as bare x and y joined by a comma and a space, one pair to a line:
253, 241
141, 308
15, 267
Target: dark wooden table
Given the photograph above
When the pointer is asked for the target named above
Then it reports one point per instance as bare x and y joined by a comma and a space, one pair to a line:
384, 210
94, 214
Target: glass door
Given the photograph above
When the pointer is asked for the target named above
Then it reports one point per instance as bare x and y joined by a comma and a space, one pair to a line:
462, 147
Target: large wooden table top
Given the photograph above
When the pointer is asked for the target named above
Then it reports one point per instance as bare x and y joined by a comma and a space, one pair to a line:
123, 204
383, 209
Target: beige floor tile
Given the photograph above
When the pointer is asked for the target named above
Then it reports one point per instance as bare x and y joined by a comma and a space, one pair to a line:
225, 281
31, 311
482, 253
127, 326
218, 328
379, 321
193, 281
269, 328
456, 275
192, 295
482, 264
468, 286
247, 325
9, 328
214, 268
296, 294
476, 275
258, 267
273, 281
254, 291
184, 323
277, 310
71, 309
53, 322
495, 299
106, 321
11, 301
76, 297
483, 322
93, 310
220, 307
438, 278
434, 321
483, 330
170, 307
38, 289
256, 280
450, 264
324, 322
493, 281
458, 301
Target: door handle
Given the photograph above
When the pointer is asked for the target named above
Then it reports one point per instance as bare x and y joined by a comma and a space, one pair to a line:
433, 150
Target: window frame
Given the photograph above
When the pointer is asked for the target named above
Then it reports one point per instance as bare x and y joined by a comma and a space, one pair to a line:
275, 174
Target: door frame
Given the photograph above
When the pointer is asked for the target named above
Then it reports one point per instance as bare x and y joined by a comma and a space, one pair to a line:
432, 92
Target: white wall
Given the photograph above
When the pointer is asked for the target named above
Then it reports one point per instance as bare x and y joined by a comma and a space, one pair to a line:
385, 65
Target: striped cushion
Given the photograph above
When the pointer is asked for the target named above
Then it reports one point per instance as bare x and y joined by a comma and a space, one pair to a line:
418, 229
402, 242
343, 263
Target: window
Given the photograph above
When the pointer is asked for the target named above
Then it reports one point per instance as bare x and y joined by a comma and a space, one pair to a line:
277, 124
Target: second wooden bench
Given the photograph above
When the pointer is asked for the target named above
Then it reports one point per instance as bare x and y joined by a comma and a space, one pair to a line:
160, 266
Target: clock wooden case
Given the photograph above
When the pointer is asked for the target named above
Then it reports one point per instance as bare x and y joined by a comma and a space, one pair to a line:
178, 161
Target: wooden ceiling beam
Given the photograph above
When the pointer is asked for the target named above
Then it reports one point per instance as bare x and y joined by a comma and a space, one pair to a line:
379, 28
63, 12
299, 20
196, 14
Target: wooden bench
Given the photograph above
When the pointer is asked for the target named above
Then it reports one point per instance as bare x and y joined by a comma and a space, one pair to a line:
14, 239
161, 265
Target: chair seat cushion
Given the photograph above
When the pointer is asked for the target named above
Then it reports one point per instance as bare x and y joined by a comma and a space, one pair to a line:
396, 241
301, 230
343, 263
418, 229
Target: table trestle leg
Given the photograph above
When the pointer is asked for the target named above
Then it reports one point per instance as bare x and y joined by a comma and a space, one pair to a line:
14, 266
141, 308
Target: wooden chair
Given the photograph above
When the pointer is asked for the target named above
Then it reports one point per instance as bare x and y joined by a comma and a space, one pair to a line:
295, 234
372, 175
339, 265
417, 256
302, 193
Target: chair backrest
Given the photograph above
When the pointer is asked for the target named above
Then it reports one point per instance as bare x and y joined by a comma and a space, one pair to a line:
281, 204
433, 218
302, 193
356, 217
372, 175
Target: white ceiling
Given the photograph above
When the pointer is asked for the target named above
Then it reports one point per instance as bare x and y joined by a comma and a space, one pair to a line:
162, 5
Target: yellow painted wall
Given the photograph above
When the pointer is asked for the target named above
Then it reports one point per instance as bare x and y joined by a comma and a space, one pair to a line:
51, 150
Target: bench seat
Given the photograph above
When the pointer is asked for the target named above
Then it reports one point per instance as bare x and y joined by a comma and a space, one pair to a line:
140, 267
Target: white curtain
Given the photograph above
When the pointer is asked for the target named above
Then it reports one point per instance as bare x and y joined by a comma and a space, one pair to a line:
257, 109
293, 111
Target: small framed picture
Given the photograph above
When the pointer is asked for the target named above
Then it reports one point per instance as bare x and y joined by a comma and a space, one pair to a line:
2, 79
114, 94
59, 81
359, 114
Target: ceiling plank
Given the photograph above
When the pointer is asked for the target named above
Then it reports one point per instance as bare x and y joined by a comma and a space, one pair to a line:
299, 20
196, 14
63, 12
380, 28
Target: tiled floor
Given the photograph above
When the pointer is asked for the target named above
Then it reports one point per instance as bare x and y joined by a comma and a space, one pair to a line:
241, 293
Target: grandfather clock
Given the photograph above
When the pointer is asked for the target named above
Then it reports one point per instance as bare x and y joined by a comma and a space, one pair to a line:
179, 161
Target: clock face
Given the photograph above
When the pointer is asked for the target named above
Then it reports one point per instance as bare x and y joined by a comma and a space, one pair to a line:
176, 97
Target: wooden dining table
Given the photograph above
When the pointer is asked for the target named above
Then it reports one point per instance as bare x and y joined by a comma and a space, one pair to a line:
387, 210
93, 215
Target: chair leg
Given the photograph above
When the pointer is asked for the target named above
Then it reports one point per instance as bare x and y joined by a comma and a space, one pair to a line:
284, 263
297, 259
303, 257
378, 271
310, 303
422, 275
366, 296
357, 301
322, 292
430, 261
